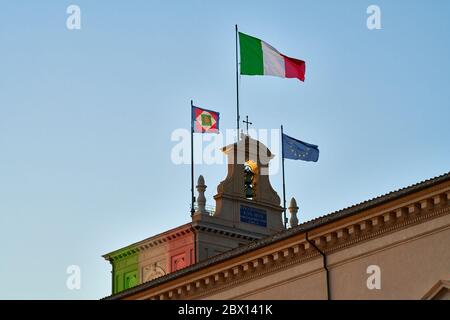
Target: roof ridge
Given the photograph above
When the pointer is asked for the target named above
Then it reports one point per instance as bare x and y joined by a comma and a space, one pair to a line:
412, 187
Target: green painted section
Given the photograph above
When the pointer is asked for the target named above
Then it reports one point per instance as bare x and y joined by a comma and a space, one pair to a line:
125, 270
251, 55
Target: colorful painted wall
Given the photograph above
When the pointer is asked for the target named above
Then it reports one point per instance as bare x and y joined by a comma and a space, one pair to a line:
152, 258
125, 270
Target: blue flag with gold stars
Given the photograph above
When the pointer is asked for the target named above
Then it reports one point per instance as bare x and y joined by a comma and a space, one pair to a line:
298, 150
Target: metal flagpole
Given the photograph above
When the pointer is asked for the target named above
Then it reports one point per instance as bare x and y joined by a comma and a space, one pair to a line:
284, 184
192, 162
237, 82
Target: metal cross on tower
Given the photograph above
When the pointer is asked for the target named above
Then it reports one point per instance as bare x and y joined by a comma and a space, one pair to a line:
246, 122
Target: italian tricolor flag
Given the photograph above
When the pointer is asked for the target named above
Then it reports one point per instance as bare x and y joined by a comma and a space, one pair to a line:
260, 58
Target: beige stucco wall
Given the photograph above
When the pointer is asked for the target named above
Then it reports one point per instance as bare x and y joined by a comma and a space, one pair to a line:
411, 261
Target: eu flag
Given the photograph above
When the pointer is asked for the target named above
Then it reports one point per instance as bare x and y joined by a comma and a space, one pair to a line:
298, 150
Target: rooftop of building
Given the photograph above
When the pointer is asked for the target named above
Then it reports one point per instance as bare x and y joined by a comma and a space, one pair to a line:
301, 228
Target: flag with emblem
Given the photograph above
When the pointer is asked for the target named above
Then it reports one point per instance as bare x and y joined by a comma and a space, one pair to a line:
205, 121
298, 150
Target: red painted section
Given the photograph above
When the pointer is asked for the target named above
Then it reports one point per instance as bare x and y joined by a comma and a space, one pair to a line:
294, 68
180, 251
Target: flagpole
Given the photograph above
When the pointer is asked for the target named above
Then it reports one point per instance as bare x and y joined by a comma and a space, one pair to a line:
192, 163
284, 184
237, 83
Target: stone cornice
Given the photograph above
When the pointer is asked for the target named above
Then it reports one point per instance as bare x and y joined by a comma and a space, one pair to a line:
238, 197
149, 243
226, 231
383, 222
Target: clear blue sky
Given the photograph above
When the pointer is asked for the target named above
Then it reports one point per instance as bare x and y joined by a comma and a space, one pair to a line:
86, 117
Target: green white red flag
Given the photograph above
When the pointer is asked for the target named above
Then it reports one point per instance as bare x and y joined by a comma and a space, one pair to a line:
260, 58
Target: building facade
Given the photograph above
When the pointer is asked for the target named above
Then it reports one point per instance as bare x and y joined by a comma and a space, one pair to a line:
396, 246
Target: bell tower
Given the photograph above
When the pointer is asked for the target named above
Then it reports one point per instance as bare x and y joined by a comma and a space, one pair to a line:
246, 198
247, 207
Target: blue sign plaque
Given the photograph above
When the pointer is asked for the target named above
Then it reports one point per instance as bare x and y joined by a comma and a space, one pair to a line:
253, 216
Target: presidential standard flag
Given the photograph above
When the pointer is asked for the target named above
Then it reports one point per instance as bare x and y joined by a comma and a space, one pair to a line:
260, 58
205, 121
298, 150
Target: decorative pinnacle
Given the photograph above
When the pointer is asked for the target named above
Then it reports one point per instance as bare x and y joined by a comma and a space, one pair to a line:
201, 200
293, 209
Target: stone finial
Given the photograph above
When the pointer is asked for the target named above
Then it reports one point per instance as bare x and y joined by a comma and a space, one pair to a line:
201, 200
200, 181
293, 209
